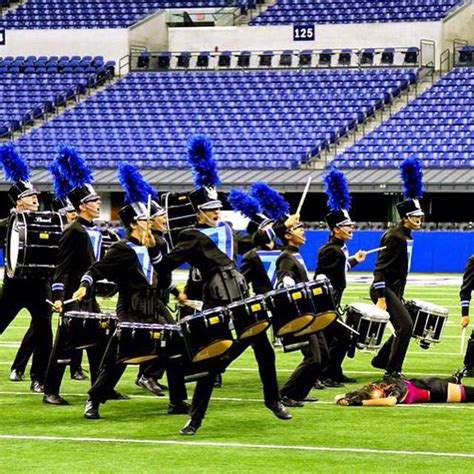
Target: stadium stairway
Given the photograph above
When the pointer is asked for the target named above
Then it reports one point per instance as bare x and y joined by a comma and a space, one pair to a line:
425, 80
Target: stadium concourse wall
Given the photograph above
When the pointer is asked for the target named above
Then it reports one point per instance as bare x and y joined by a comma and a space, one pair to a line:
112, 44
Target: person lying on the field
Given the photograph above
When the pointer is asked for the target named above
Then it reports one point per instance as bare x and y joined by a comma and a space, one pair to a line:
407, 391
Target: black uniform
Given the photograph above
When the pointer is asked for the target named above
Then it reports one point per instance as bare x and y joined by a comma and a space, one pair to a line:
334, 262
130, 265
31, 293
292, 270
79, 248
390, 276
465, 296
211, 250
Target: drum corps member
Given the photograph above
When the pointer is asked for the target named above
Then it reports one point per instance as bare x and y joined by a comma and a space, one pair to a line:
210, 247
130, 263
391, 270
465, 295
334, 262
79, 247
32, 292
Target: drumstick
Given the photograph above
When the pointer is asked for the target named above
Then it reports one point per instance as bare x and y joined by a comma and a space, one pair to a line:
195, 304
49, 302
303, 196
367, 252
463, 340
342, 323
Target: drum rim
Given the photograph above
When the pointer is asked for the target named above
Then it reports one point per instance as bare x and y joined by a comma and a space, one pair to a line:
372, 307
249, 299
440, 310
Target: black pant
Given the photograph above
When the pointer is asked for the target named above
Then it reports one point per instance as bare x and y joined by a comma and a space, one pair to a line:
29, 294
307, 372
392, 354
338, 341
469, 357
26, 350
111, 370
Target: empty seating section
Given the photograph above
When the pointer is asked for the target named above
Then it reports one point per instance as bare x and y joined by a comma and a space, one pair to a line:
438, 126
34, 14
352, 11
255, 119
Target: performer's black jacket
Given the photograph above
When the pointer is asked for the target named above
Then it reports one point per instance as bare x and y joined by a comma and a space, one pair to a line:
391, 268
121, 265
289, 266
75, 256
201, 252
254, 272
467, 286
333, 263
163, 247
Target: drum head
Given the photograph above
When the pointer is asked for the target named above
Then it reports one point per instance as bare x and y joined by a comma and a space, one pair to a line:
14, 248
296, 324
255, 329
139, 359
215, 349
320, 322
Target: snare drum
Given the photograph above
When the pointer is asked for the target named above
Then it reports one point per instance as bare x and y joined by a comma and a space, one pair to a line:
207, 334
32, 244
428, 321
324, 308
369, 321
86, 329
291, 308
141, 342
250, 316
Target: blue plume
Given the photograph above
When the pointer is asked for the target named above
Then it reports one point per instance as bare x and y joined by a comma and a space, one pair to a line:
200, 158
61, 185
412, 177
272, 202
244, 203
337, 190
15, 168
73, 167
136, 188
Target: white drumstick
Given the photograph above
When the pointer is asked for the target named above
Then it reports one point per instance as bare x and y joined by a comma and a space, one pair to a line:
463, 340
303, 196
50, 302
367, 252
195, 304
70, 301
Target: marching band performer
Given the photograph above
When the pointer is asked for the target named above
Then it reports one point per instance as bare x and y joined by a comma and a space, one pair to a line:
79, 247
334, 262
391, 270
465, 293
30, 293
210, 247
130, 263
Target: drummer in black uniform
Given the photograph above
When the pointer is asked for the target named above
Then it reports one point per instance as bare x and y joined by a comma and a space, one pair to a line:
391, 270
334, 262
79, 247
29, 293
211, 247
291, 270
467, 288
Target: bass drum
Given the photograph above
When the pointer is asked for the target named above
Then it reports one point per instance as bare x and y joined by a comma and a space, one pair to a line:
106, 288
32, 244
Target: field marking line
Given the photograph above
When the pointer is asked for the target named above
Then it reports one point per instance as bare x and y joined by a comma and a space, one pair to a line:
214, 444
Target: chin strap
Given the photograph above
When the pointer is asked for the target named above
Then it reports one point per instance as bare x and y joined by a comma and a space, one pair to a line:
413, 223
349, 236
208, 220
294, 234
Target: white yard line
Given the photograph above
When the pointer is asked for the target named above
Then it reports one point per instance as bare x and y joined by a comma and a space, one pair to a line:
213, 444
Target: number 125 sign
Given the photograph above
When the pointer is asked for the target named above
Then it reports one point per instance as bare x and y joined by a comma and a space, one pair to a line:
303, 32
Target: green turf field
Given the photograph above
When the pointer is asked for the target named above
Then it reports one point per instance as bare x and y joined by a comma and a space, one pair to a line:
239, 433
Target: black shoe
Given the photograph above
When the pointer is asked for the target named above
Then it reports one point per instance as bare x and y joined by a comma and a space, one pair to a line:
280, 411
190, 428
148, 383
318, 385
459, 374
162, 386
78, 375
218, 381
332, 383
53, 399
345, 379
16, 376
289, 402
376, 364
182, 408
393, 375
36, 386
309, 399
91, 410
117, 396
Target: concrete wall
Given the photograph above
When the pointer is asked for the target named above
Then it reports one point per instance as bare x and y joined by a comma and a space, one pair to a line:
110, 43
151, 32
459, 26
